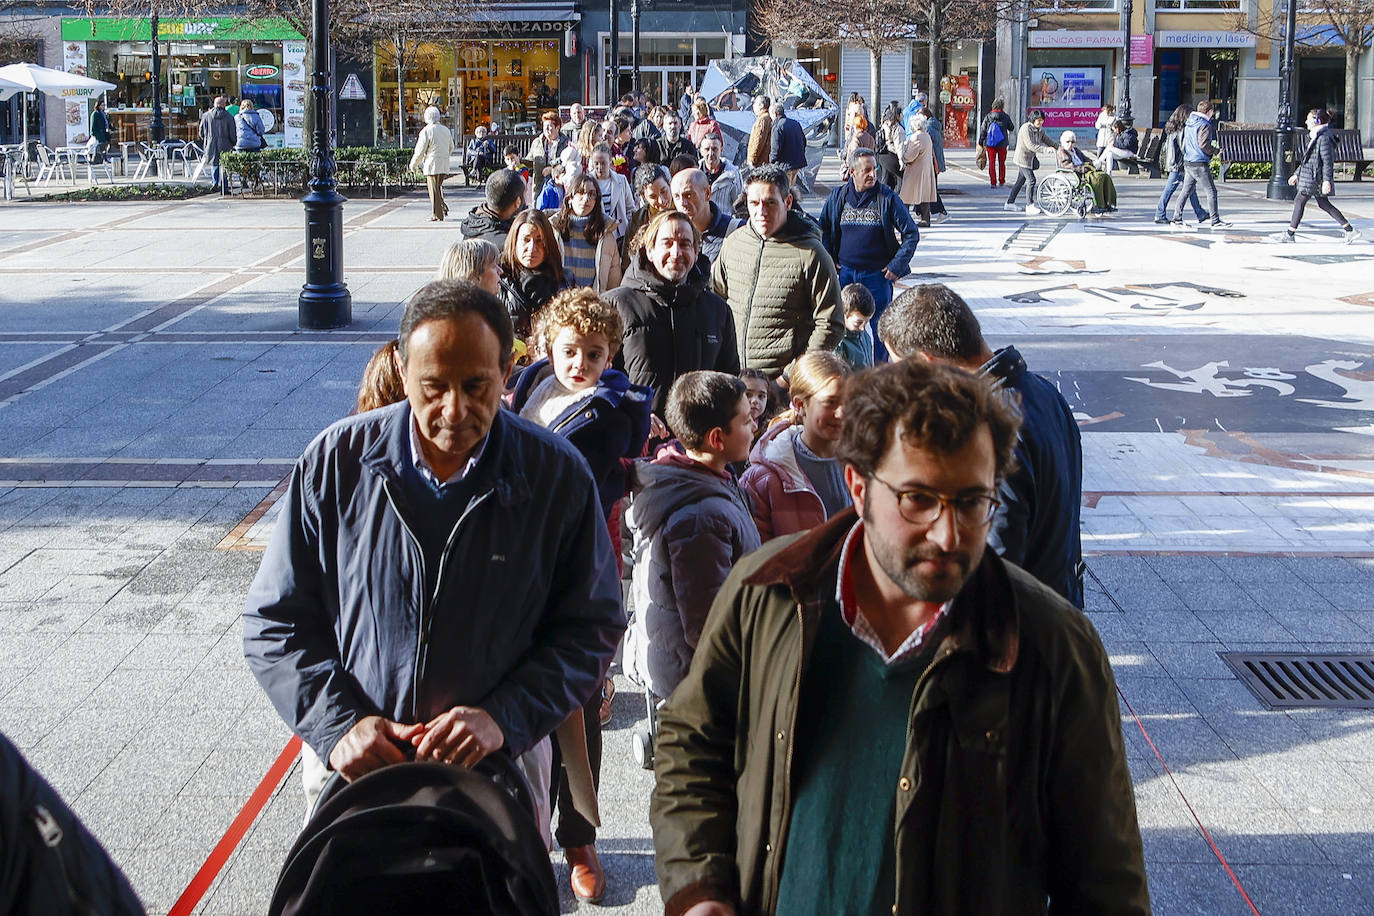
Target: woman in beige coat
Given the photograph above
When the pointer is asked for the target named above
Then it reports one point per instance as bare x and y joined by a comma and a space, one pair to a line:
433, 148
918, 170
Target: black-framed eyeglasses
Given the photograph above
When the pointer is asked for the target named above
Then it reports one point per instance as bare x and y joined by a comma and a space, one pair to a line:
922, 506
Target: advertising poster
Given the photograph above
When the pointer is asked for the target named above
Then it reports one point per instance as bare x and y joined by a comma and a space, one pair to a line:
293, 92
1069, 96
76, 110
961, 105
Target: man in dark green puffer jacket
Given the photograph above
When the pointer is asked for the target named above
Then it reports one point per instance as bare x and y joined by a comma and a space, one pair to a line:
778, 279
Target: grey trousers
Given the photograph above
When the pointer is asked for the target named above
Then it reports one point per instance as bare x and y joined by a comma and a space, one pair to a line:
1195, 175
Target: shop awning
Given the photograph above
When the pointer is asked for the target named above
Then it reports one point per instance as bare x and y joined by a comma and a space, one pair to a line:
520, 12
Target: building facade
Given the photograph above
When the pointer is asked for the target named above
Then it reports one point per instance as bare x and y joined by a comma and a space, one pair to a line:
1069, 56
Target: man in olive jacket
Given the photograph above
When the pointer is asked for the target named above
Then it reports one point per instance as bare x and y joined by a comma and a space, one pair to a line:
781, 284
884, 717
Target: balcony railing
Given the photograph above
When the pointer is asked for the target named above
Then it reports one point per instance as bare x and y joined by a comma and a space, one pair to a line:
1197, 6
1078, 6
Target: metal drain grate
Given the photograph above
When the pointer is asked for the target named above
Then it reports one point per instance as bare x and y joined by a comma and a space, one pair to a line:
1283, 679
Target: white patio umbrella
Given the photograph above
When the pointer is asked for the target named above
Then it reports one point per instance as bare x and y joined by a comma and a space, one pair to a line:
26, 77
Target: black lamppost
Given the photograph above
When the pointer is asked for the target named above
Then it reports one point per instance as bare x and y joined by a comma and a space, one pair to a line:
1125, 112
1278, 187
157, 131
634, 45
614, 68
324, 300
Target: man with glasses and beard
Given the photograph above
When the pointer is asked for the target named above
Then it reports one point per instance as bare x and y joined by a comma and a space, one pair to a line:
882, 716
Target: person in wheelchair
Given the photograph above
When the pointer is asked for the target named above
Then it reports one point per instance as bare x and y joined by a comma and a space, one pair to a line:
480, 155
1072, 159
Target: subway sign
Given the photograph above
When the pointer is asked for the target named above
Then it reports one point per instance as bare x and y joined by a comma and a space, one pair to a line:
261, 72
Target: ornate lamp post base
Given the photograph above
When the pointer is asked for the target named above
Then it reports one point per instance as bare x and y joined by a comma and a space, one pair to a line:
324, 302
1278, 187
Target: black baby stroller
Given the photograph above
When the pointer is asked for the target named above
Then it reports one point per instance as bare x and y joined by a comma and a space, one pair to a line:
421, 838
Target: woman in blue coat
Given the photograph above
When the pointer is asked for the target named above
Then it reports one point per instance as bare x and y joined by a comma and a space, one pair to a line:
1314, 176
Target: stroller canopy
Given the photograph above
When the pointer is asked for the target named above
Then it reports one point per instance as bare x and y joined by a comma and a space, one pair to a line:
422, 838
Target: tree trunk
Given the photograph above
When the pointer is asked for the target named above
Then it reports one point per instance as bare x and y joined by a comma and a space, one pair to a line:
875, 86
933, 67
398, 51
1352, 83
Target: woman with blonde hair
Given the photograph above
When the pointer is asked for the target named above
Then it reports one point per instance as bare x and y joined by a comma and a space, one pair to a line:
475, 261
381, 384
703, 124
794, 480
433, 148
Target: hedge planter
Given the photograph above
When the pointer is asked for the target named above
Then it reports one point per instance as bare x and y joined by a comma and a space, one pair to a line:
284, 172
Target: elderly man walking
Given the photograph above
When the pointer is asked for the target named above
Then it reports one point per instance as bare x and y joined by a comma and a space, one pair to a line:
218, 134
870, 235
780, 282
882, 716
441, 585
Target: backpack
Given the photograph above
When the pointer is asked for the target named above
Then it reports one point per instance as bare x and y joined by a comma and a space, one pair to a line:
996, 135
880, 140
50, 864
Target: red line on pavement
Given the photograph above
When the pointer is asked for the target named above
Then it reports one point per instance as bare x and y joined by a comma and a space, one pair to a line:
215, 861
1197, 820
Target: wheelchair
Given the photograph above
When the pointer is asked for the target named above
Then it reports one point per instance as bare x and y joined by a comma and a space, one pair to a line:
1063, 191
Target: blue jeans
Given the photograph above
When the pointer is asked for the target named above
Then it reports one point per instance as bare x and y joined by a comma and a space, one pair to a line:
881, 288
1170, 186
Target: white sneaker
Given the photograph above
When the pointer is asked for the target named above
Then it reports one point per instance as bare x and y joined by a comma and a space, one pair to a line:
1283, 238
1012, 207
1220, 224
939, 217
1032, 210
1352, 235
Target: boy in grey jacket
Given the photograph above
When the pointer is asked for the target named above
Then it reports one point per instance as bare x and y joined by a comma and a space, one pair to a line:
690, 523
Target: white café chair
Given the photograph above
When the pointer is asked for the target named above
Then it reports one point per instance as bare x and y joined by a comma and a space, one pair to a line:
51, 165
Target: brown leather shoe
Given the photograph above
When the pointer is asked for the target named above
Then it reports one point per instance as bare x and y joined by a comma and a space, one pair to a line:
588, 878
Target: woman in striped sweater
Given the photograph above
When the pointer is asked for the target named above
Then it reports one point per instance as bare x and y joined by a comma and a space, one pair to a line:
586, 237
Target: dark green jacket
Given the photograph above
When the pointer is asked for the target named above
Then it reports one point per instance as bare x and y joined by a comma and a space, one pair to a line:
1014, 796
783, 291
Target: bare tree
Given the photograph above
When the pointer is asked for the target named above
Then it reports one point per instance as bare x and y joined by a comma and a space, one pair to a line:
879, 26
20, 24
1345, 24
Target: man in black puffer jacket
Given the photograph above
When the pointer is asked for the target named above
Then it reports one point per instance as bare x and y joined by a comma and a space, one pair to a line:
673, 323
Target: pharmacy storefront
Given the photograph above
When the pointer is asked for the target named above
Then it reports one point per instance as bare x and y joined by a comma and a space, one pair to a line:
1071, 74
259, 59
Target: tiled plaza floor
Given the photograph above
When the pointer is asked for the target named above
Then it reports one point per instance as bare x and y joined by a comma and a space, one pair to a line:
153, 392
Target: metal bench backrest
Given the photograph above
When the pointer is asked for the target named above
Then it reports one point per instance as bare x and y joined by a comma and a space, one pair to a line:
1347, 145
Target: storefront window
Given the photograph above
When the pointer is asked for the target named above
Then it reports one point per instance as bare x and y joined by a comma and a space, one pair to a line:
668, 65
1070, 85
200, 59
505, 83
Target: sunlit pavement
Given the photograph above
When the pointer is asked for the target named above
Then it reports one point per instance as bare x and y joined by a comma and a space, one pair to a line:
155, 391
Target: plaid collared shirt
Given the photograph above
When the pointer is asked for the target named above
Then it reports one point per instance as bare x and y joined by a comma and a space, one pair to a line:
854, 617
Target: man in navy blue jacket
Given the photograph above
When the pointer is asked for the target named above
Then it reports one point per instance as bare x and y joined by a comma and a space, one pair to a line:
869, 234
788, 147
1036, 525
440, 584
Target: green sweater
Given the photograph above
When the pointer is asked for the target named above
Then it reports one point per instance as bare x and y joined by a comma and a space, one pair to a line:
852, 721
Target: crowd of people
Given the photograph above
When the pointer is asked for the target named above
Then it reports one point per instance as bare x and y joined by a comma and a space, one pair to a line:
849, 526
799, 478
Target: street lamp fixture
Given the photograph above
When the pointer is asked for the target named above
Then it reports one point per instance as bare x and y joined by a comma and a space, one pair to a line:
158, 130
1125, 111
634, 46
614, 92
325, 301
1278, 187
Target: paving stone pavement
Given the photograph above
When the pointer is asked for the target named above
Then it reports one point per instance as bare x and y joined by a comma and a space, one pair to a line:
153, 392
